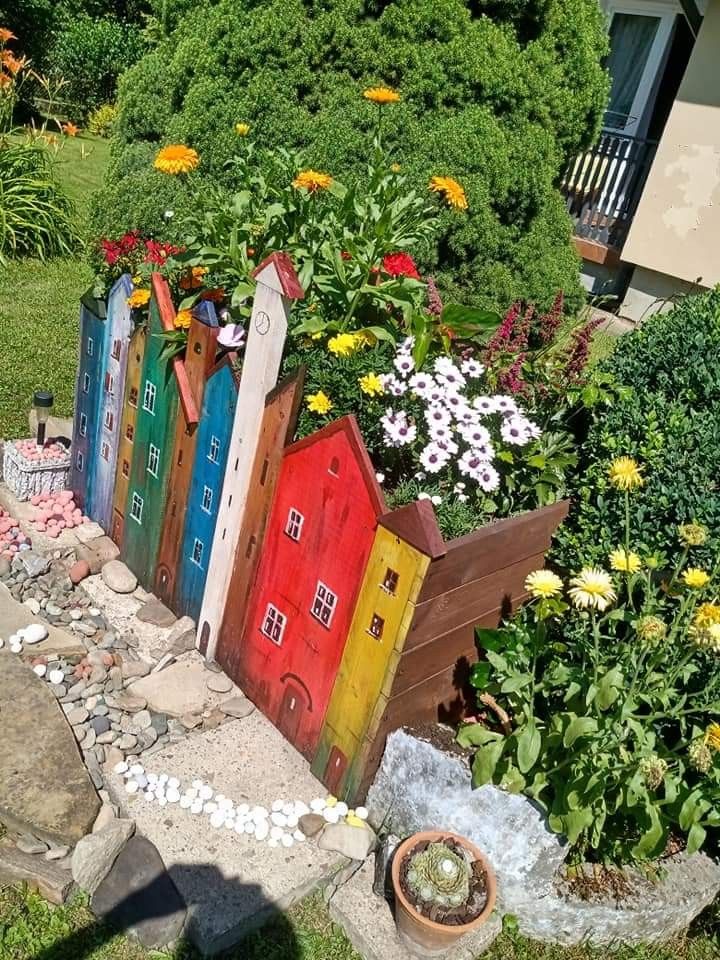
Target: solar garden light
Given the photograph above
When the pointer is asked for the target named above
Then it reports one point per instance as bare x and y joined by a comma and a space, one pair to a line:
42, 402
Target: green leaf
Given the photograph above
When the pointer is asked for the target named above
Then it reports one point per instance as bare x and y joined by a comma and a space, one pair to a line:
609, 688
485, 762
491, 639
480, 675
579, 727
652, 838
476, 735
696, 838
515, 683
529, 743
690, 811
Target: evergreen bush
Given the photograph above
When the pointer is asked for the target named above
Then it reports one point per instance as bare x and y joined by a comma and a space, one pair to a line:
496, 94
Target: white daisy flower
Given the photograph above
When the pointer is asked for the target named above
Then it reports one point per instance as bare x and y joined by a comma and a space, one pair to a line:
434, 458
474, 436
471, 368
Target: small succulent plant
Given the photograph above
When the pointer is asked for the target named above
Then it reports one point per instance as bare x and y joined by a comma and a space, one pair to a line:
439, 876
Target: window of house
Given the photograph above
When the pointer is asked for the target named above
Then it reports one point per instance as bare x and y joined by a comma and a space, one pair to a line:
83, 424
293, 527
153, 460
136, 507
115, 352
90, 347
197, 552
126, 468
105, 450
390, 581
80, 461
86, 383
109, 382
214, 454
207, 499
323, 606
133, 397
149, 397
130, 432
376, 626
273, 626
334, 467
109, 420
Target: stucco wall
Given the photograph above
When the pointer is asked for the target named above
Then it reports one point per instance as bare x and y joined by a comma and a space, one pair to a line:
676, 230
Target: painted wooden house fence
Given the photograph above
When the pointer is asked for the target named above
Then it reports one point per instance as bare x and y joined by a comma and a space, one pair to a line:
340, 619
87, 398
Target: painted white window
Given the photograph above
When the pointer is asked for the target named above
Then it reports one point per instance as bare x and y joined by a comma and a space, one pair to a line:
86, 382
136, 507
90, 347
390, 581
133, 397
293, 527
105, 450
376, 626
126, 468
116, 347
153, 460
83, 424
109, 383
197, 552
109, 420
207, 499
214, 454
80, 461
324, 604
149, 397
273, 626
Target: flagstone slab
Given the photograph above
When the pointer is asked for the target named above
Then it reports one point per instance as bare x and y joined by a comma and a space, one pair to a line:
45, 789
14, 616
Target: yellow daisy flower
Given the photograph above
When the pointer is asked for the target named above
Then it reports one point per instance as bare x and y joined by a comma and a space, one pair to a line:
343, 344
381, 95
319, 402
695, 578
543, 584
592, 588
712, 737
139, 298
312, 180
371, 384
706, 614
625, 562
395, 167
625, 473
242, 129
452, 192
183, 319
176, 158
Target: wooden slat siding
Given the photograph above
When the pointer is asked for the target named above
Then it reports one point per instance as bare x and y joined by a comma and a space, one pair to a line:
136, 354
481, 552
87, 402
278, 428
199, 361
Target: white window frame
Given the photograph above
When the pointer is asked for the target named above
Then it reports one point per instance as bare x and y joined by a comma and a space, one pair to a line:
109, 420
86, 383
294, 524
207, 499
116, 349
273, 625
153, 460
324, 604
197, 560
105, 451
83, 424
149, 397
214, 454
136, 507
376, 636
79, 461
109, 382
90, 347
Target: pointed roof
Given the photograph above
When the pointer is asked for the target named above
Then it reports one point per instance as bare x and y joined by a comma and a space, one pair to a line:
166, 309
416, 524
278, 273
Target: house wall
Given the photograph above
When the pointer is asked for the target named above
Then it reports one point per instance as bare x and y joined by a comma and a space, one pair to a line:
87, 401
126, 446
676, 227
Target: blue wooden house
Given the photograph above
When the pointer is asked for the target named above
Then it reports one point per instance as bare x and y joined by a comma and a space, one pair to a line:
211, 451
88, 388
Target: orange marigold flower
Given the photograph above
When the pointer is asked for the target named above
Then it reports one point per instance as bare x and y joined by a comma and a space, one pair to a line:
312, 180
215, 294
175, 159
139, 298
381, 95
452, 192
6, 35
70, 130
183, 319
192, 278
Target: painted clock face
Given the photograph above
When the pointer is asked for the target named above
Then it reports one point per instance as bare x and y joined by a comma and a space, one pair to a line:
262, 322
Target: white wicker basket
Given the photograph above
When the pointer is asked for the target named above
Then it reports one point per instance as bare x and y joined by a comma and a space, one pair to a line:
28, 477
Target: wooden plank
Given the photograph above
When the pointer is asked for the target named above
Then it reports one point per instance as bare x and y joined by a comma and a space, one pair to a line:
492, 547
51, 881
126, 446
595, 252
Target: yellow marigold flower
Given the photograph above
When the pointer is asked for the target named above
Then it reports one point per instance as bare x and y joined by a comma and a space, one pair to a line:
312, 180
543, 584
692, 534
183, 319
138, 298
192, 278
695, 578
242, 129
176, 158
371, 384
712, 737
381, 95
625, 562
625, 473
395, 167
592, 588
343, 344
452, 192
319, 402
706, 615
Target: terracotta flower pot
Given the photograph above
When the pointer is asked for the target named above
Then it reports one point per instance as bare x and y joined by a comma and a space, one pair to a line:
432, 937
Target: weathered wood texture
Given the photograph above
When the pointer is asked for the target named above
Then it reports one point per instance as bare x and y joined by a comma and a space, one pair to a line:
199, 361
52, 882
128, 422
278, 427
118, 330
87, 399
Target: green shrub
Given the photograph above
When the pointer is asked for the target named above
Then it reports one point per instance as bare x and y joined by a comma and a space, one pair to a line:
36, 218
101, 122
670, 421
499, 102
90, 54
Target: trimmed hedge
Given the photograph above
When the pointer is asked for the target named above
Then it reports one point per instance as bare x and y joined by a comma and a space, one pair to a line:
497, 94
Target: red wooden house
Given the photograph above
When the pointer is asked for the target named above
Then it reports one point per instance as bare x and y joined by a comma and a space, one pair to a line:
319, 535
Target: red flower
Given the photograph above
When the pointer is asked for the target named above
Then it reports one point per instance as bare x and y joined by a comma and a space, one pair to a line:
157, 253
344, 255
111, 251
400, 265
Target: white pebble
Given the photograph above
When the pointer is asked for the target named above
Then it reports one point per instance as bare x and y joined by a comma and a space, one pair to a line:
249, 827
197, 784
262, 830
33, 633
229, 823
39, 669
273, 843
137, 768
279, 819
132, 786
288, 809
331, 815
173, 783
243, 809
120, 767
210, 807
152, 778
276, 833
162, 800
259, 813
141, 780
292, 821
225, 803
317, 805
361, 813
299, 836
342, 808
240, 827
301, 809
205, 792
163, 778
185, 802
277, 806
217, 819
56, 676
196, 806
173, 796
219, 797
286, 840
192, 793
149, 796
127, 775
15, 648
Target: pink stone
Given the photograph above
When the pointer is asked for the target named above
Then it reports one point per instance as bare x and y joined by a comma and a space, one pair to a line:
61, 524
40, 526
35, 499
21, 538
78, 571
65, 496
53, 532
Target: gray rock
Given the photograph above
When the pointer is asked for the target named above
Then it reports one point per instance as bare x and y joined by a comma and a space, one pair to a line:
101, 710
139, 896
127, 741
76, 690
155, 612
89, 741
100, 725
98, 675
57, 853
219, 683
4, 566
114, 680
33, 606
237, 707
355, 843
29, 844
142, 720
108, 736
146, 738
190, 721
53, 610
77, 715
182, 636
99, 752
75, 614
112, 756
118, 577
135, 668
159, 723
95, 854
105, 817
311, 824
128, 702
34, 564
86, 629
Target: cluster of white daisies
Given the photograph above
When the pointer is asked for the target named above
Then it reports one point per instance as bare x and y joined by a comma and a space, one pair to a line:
456, 420
279, 826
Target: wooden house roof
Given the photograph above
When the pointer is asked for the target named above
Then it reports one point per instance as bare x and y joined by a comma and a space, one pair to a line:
416, 524
278, 273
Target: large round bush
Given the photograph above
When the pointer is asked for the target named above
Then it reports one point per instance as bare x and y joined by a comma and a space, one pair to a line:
497, 94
